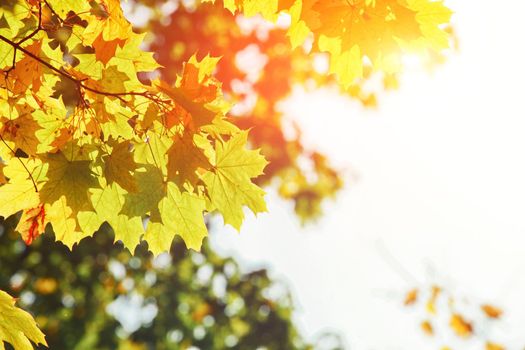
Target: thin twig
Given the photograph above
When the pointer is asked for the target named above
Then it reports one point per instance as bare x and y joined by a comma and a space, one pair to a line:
394, 263
20, 160
76, 81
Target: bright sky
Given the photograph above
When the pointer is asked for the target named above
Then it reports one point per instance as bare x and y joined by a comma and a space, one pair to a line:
441, 171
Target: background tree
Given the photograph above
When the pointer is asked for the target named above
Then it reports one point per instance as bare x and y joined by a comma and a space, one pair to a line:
100, 297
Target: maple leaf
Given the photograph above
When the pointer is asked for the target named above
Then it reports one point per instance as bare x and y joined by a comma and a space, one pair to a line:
17, 327
181, 213
154, 151
64, 223
28, 72
22, 131
185, 159
194, 93
120, 165
32, 223
20, 192
13, 14
105, 50
108, 203
110, 23
152, 189
229, 182
132, 58
16, 197
196, 115
69, 179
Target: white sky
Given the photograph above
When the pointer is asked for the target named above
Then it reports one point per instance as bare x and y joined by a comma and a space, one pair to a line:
442, 169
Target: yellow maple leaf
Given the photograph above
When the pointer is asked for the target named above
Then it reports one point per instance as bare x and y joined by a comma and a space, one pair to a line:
491, 311
22, 131
229, 182
108, 203
185, 158
64, 223
109, 21
119, 166
182, 214
17, 327
64, 7
70, 179
20, 192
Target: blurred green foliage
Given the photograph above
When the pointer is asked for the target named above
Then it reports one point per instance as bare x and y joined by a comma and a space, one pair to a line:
100, 297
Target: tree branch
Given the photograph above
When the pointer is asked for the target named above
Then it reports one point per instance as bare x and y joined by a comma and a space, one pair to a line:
78, 82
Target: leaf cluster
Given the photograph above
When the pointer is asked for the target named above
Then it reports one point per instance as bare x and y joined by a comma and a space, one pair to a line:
86, 141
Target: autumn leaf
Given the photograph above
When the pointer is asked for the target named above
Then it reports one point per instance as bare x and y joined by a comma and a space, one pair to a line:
229, 182
32, 223
20, 192
109, 22
181, 214
108, 203
17, 327
491, 311
64, 7
493, 346
427, 328
194, 93
120, 165
185, 158
22, 132
28, 72
460, 326
70, 179
105, 50
151, 189
411, 297
353, 32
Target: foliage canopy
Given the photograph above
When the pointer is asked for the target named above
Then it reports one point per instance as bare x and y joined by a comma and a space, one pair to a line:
90, 135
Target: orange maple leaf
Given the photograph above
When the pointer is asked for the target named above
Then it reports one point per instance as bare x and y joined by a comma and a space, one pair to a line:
32, 223
411, 297
491, 311
460, 326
